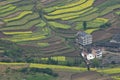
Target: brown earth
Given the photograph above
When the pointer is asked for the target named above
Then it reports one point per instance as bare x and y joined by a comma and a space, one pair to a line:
2, 35
97, 2
88, 75
13, 14
109, 32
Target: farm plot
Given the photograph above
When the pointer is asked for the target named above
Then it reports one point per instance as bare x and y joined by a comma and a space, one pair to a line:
67, 16
16, 33
75, 8
22, 27
118, 12
59, 25
110, 71
64, 6
23, 20
27, 35
2, 3
96, 23
21, 15
57, 67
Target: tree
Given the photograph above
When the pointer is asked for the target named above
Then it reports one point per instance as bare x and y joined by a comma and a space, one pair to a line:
84, 25
95, 63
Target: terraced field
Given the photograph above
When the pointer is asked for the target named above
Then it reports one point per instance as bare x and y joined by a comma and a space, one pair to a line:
48, 28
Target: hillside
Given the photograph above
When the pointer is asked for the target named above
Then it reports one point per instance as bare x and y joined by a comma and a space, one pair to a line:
48, 27
14, 71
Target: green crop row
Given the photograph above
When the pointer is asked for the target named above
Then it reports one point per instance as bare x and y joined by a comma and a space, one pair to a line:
12, 1
6, 6
68, 14
116, 77
107, 3
7, 9
96, 23
59, 25
25, 26
10, 12
110, 71
86, 18
64, 6
109, 9
99, 11
57, 67
26, 7
72, 4
118, 12
89, 31
23, 20
75, 8
16, 33
25, 37
79, 26
56, 58
21, 15
49, 66
42, 24
43, 44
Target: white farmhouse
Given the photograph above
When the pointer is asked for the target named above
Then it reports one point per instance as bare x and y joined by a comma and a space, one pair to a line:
83, 38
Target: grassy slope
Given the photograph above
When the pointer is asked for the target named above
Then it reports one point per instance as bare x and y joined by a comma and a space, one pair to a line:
110, 71
61, 18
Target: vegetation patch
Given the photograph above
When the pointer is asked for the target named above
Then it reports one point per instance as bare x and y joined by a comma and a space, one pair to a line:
7, 9
89, 31
21, 15
56, 58
42, 24
67, 15
118, 12
64, 6
96, 23
75, 8
58, 25
25, 37
110, 71
43, 44
23, 20
58, 67
16, 33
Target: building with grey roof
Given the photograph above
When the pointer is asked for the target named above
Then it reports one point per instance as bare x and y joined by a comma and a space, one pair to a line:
83, 38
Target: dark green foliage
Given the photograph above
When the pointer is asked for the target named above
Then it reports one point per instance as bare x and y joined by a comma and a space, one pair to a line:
95, 63
106, 25
39, 70
84, 25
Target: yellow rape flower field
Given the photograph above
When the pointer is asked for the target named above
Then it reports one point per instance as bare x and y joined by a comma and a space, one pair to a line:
19, 16
76, 8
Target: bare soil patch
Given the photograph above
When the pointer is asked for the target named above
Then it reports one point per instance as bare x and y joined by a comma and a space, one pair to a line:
97, 2
90, 75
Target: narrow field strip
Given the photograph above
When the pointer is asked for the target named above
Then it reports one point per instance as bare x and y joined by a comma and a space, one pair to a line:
59, 25
7, 9
110, 71
68, 14
76, 8
25, 38
23, 20
16, 33
5, 6
64, 6
10, 12
21, 15
24, 27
